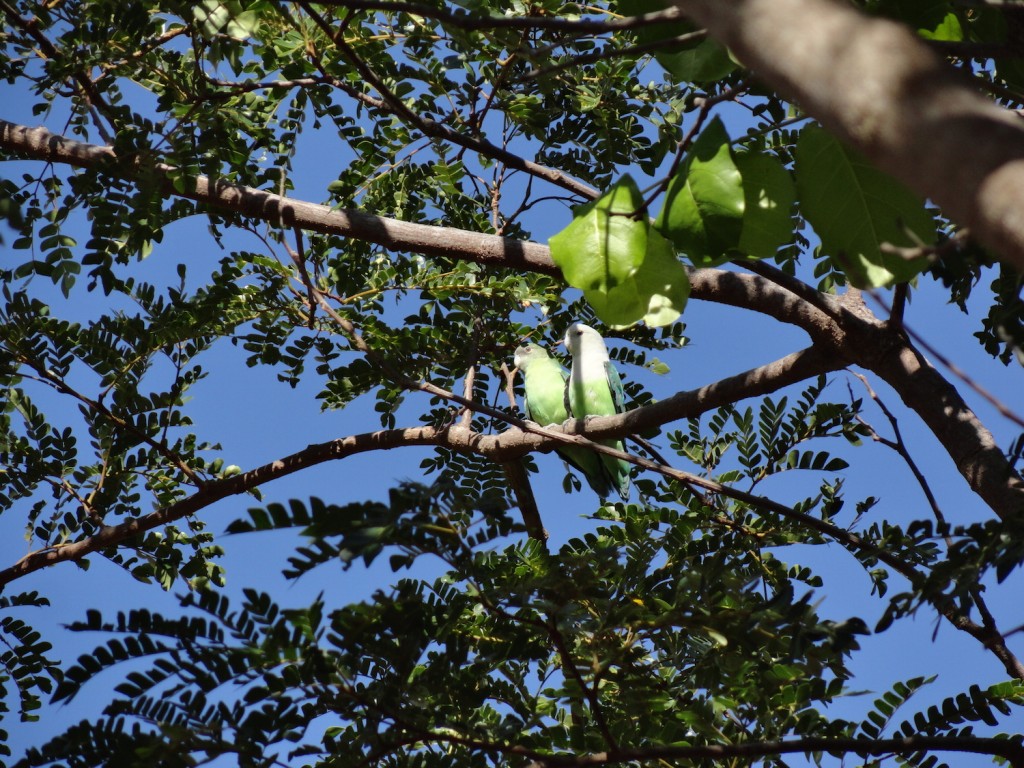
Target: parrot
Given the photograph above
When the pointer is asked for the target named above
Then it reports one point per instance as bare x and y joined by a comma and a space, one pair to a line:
544, 402
594, 389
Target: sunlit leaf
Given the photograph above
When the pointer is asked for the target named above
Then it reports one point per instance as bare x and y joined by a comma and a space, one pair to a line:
606, 240
769, 194
704, 204
856, 209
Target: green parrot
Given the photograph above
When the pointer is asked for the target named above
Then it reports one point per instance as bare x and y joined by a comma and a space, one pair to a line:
595, 390
544, 402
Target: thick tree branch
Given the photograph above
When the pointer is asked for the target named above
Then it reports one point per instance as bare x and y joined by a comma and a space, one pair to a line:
508, 446
885, 92
112, 535
41, 144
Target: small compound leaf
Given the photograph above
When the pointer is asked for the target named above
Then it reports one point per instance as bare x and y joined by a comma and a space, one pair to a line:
703, 211
856, 209
606, 241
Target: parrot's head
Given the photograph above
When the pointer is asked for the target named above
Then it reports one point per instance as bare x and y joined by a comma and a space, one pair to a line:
528, 352
581, 338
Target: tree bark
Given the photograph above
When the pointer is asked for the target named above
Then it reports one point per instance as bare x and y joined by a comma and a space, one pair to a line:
878, 87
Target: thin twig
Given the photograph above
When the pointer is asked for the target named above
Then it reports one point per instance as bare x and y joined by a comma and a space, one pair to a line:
954, 368
608, 53
571, 670
433, 128
684, 145
900, 447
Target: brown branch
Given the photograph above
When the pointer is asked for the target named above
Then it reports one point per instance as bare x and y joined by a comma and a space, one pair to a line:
903, 106
572, 672
955, 369
987, 632
901, 448
609, 53
822, 301
41, 144
90, 92
510, 445
112, 535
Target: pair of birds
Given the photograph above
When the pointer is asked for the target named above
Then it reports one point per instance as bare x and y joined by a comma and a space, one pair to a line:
592, 388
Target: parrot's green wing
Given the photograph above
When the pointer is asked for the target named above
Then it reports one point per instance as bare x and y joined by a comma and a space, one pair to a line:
615, 387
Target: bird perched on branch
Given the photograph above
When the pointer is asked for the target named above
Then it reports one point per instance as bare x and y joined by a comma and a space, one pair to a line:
544, 402
594, 389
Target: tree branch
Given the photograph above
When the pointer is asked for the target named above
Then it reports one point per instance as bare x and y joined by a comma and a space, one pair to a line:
473, 22
505, 447
903, 106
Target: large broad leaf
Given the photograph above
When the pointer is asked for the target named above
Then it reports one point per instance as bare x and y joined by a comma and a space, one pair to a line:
769, 194
856, 208
704, 204
701, 61
627, 271
662, 282
225, 17
620, 306
606, 241
656, 294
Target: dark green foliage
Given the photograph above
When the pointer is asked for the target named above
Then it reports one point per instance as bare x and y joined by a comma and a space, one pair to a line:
504, 650
25, 662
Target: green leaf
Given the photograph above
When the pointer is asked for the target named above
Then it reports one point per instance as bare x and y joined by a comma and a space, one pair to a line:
700, 61
769, 194
933, 19
704, 204
619, 306
225, 16
656, 294
856, 208
605, 243
627, 271
663, 282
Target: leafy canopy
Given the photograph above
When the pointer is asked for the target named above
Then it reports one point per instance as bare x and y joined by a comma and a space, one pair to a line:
679, 626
